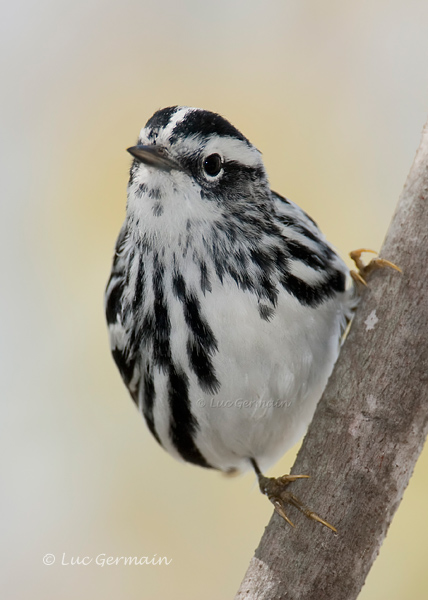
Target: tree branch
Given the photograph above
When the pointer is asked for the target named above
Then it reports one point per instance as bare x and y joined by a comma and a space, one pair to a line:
368, 429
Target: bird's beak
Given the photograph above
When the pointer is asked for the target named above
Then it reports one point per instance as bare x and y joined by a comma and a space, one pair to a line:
154, 156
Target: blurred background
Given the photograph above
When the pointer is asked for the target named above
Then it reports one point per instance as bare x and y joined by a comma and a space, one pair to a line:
335, 95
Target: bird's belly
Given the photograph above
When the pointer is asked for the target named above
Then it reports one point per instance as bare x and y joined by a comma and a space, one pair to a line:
271, 374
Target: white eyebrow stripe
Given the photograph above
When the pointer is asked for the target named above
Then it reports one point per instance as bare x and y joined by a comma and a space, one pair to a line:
229, 148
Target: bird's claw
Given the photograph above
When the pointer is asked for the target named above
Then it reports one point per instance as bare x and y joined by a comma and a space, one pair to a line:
275, 490
360, 276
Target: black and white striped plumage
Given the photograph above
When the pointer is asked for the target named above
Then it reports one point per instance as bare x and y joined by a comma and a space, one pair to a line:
225, 304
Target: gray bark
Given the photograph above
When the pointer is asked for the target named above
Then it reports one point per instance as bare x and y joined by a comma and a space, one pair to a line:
368, 429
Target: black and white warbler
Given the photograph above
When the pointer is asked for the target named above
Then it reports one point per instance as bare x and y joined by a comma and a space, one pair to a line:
226, 304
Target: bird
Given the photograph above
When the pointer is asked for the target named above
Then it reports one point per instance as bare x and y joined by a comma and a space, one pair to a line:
226, 305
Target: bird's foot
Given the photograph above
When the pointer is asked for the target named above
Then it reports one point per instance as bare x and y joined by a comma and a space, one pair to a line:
275, 488
360, 276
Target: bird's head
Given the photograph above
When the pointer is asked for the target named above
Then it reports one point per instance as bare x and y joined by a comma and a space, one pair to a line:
193, 164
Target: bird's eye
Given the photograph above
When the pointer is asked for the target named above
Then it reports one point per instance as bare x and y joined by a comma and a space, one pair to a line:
213, 165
